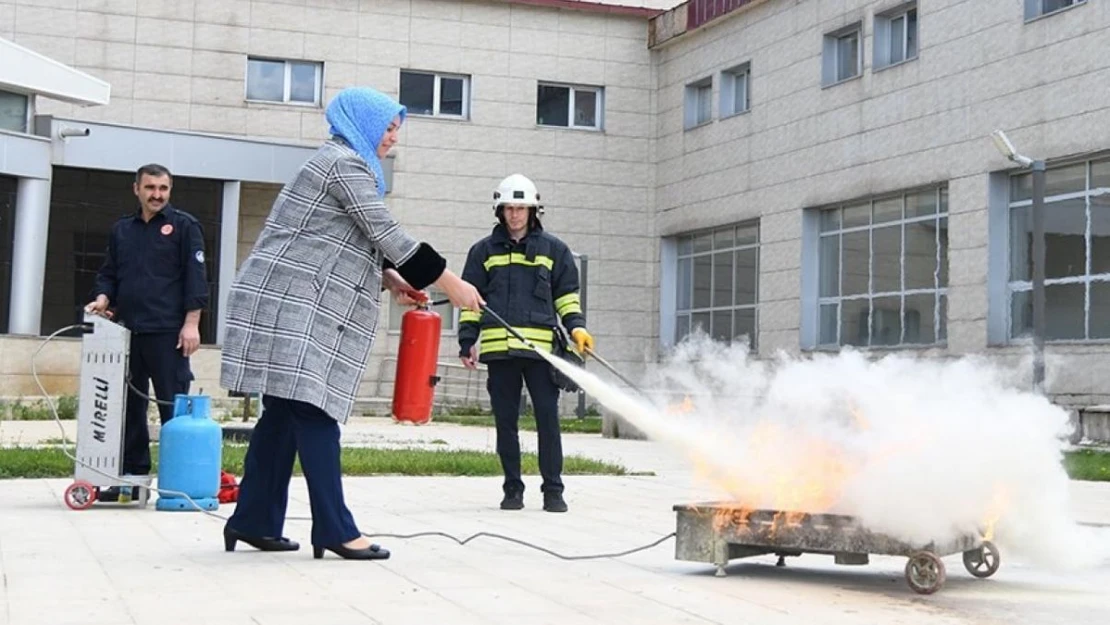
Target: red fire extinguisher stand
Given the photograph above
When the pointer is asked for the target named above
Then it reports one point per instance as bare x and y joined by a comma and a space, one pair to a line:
417, 358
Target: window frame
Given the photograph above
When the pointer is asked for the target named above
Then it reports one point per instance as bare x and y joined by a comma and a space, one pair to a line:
1090, 195
287, 83
730, 78
884, 35
691, 102
830, 61
938, 290
599, 107
28, 109
437, 89
691, 310
1034, 9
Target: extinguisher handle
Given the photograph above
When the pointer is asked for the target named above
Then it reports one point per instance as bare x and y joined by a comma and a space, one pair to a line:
439, 302
420, 297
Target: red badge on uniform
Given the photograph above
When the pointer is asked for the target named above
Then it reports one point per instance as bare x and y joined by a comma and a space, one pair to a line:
167, 229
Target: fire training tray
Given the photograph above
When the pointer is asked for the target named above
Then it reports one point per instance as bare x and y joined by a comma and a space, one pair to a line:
717, 532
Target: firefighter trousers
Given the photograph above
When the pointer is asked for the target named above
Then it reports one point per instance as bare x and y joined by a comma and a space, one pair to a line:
504, 385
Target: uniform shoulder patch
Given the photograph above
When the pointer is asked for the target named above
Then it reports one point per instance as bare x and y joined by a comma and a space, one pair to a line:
199, 256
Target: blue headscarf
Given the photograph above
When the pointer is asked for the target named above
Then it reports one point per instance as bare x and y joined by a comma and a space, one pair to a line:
361, 116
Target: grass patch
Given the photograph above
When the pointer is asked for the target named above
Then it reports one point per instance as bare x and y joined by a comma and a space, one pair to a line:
25, 462
39, 410
586, 425
1088, 464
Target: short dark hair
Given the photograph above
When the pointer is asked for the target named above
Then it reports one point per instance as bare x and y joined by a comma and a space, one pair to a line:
152, 169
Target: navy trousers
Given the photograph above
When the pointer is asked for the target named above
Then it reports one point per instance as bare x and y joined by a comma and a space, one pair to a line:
286, 429
155, 361
504, 386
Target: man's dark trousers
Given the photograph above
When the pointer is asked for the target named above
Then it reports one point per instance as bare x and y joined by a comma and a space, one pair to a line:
155, 361
504, 385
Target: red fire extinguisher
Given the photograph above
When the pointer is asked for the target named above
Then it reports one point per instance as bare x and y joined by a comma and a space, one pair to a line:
417, 358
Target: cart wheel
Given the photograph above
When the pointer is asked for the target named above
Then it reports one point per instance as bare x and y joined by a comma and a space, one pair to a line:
80, 495
925, 572
984, 561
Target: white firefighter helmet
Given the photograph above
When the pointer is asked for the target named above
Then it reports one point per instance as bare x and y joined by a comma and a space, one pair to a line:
517, 189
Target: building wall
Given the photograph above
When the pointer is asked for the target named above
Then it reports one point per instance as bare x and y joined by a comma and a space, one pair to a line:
980, 66
182, 65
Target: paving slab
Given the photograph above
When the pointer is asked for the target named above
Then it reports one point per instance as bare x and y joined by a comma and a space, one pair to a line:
117, 565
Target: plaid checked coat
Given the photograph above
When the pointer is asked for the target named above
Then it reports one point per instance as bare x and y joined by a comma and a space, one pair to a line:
302, 313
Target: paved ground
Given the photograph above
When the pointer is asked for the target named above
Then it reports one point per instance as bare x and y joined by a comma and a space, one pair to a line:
120, 566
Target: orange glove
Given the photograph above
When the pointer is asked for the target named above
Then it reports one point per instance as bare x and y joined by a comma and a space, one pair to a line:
582, 339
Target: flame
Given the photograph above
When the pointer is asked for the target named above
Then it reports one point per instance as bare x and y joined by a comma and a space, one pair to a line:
998, 505
786, 474
776, 468
686, 407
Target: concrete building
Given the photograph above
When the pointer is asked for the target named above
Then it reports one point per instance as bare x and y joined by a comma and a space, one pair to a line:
813, 173
855, 136
229, 95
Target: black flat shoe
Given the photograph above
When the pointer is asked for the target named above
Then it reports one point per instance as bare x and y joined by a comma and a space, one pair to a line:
373, 552
261, 543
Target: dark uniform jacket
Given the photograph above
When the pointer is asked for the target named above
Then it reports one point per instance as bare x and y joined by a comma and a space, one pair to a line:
154, 271
531, 284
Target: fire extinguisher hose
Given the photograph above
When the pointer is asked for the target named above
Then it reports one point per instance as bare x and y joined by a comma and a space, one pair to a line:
591, 352
614, 371
504, 324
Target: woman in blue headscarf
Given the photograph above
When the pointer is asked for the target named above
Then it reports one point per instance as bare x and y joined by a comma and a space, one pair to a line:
302, 316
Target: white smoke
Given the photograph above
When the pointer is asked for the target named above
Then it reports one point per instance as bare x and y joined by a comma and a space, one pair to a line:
920, 449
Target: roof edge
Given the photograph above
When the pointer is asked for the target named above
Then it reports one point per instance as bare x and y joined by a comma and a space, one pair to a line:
593, 7
35, 73
693, 15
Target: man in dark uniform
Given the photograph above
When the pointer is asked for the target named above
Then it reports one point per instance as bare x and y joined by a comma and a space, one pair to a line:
153, 280
528, 277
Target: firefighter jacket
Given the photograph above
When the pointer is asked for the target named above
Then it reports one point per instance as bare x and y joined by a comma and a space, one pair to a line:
532, 284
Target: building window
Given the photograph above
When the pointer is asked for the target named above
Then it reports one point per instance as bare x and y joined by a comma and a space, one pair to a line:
13, 111
841, 57
896, 36
1037, 8
287, 82
569, 106
1077, 253
699, 102
438, 95
718, 283
735, 93
447, 312
883, 271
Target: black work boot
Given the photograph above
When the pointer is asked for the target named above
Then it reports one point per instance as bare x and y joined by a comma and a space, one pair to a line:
513, 501
553, 502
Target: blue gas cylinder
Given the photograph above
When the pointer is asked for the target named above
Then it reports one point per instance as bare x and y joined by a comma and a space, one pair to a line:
190, 456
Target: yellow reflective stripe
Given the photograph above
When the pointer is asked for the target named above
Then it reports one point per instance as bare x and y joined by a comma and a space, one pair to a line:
502, 260
567, 304
498, 260
532, 334
493, 347
466, 315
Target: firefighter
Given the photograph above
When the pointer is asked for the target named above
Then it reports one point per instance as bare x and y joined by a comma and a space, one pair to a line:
528, 277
